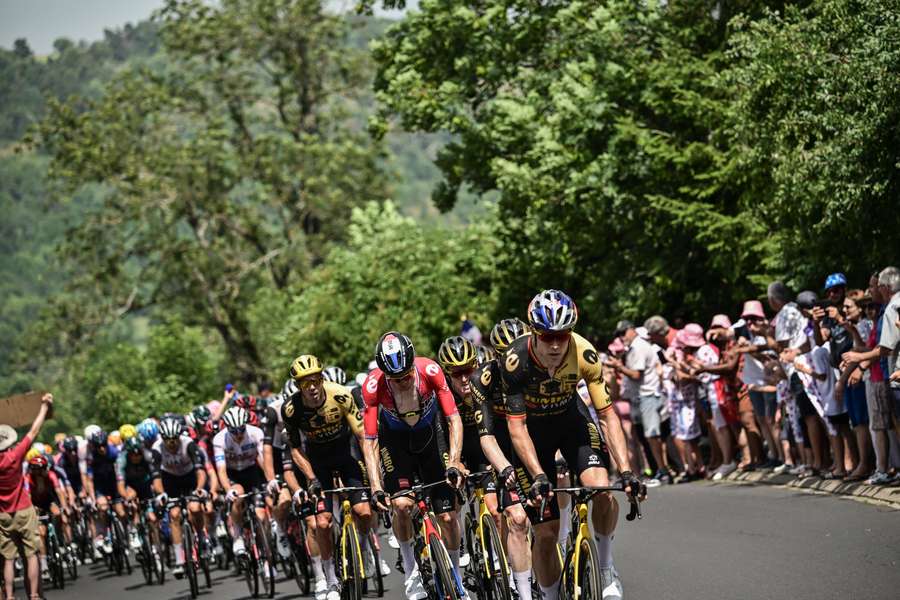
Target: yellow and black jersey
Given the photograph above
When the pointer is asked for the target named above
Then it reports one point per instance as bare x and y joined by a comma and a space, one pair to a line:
488, 392
334, 421
468, 410
530, 390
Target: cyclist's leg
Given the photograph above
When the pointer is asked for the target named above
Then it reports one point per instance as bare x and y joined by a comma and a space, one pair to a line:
443, 499
195, 514
399, 468
545, 560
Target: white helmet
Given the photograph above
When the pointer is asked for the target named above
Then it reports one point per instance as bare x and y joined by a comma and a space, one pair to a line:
236, 417
335, 375
91, 430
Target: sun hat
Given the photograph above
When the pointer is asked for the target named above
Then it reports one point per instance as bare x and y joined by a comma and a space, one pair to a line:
691, 336
835, 279
8, 437
753, 308
642, 333
720, 321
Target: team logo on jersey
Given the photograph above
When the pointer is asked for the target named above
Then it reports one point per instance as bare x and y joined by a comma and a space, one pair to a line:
486, 377
432, 370
289, 410
512, 361
478, 416
590, 355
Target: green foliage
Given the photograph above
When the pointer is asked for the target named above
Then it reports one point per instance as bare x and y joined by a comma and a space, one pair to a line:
226, 171
391, 274
816, 131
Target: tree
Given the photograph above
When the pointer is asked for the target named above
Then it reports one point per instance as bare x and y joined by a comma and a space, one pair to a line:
815, 133
599, 125
391, 274
225, 172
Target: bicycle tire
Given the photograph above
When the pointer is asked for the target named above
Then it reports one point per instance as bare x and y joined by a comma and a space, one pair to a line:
114, 560
249, 561
445, 579
71, 563
475, 570
302, 565
146, 558
54, 560
376, 560
352, 563
589, 571
120, 545
499, 584
190, 567
203, 558
159, 563
266, 558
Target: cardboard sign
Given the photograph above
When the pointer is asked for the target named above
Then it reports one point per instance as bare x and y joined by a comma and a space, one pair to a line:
21, 409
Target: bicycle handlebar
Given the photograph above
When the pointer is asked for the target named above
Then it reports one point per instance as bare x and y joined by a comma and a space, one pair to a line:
586, 492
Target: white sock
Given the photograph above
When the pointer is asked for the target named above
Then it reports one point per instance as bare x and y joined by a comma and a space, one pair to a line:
408, 556
604, 546
565, 523
523, 584
550, 593
236, 531
179, 553
318, 572
454, 558
328, 566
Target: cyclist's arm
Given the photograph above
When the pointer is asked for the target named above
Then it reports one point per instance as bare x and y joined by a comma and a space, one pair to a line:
120, 473
60, 490
370, 428
268, 437
297, 454
219, 460
611, 427
522, 444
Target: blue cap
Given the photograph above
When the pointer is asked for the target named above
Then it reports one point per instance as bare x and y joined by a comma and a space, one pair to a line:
228, 387
835, 279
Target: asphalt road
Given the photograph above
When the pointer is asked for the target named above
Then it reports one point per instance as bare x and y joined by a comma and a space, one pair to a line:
698, 542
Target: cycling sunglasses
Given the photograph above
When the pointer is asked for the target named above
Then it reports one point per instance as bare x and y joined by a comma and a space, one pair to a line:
238, 430
310, 382
552, 337
462, 371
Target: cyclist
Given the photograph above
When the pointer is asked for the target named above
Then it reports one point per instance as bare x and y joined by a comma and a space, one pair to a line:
238, 454
201, 433
540, 375
273, 467
134, 478
404, 397
497, 447
178, 472
324, 415
148, 432
48, 495
100, 484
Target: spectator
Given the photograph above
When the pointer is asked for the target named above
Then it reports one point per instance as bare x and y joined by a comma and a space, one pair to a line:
18, 519
762, 393
621, 404
680, 388
878, 394
641, 387
889, 340
660, 333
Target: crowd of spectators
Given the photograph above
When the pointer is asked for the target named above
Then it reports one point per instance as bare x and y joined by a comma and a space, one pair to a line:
811, 387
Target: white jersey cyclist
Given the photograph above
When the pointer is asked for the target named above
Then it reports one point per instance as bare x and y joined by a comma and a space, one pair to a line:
238, 453
179, 463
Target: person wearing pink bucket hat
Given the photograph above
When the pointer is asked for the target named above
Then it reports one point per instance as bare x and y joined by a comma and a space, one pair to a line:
753, 309
691, 336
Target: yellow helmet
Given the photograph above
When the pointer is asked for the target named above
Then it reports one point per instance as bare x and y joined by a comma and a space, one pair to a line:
127, 431
304, 366
32, 453
457, 353
506, 331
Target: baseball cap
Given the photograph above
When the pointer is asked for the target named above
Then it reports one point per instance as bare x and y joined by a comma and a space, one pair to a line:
835, 279
623, 326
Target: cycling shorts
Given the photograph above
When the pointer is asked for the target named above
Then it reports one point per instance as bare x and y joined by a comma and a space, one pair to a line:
108, 487
179, 486
352, 473
142, 487
576, 436
250, 478
408, 457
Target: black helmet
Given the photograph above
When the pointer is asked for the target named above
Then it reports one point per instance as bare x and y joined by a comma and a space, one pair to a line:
457, 353
201, 415
395, 354
98, 438
507, 330
70, 444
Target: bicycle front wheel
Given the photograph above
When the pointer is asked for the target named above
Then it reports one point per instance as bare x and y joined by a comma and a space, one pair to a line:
447, 583
190, 557
376, 560
495, 559
266, 558
589, 585
352, 568
302, 568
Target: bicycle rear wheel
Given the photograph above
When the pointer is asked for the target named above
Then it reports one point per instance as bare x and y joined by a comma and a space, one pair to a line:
250, 562
54, 561
115, 560
190, 556
377, 577
146, 558
302, 566
495, 559
447, 584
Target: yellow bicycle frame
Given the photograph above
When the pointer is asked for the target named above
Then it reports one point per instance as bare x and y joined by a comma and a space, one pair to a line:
479, 529
348, 521
583, 533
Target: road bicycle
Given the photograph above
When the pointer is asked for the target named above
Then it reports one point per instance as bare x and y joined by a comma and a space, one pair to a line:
196, 557
441, 580
488, 570
258, 560
301, 566
347, 548
581, 569
117, 560
57, 558
149, 555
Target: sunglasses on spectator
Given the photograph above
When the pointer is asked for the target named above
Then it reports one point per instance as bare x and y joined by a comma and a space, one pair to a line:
554, 337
